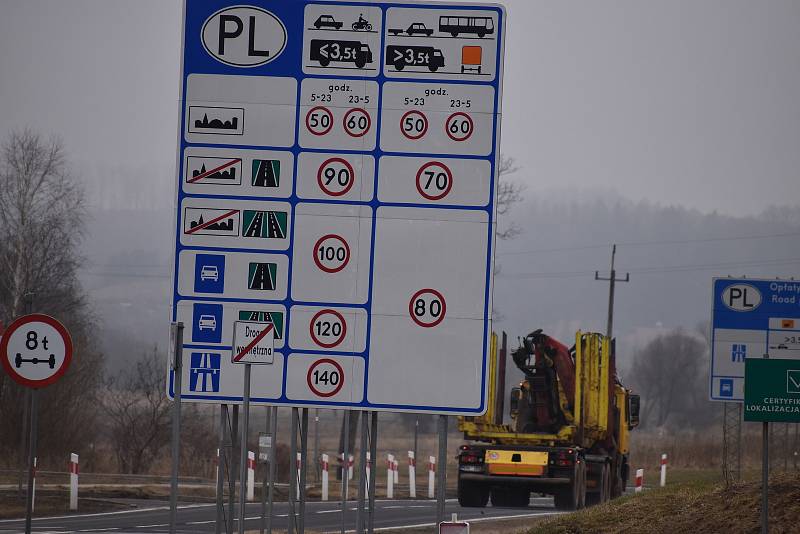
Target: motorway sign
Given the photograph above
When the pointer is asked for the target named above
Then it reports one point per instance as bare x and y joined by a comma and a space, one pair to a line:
337, 173
750, 318
36, 350
772, 390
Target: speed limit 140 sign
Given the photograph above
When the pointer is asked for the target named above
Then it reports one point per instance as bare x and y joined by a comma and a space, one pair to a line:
36, 350
336, 203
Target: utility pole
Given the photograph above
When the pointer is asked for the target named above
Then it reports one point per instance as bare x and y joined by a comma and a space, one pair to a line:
612, 281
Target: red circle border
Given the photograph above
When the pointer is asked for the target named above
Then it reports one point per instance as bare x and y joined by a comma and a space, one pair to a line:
406, 114
349, 168
341, 320
347, 130
449, 176
471, 126
346, 248
411, 307
20, 322
338, 368
308, 127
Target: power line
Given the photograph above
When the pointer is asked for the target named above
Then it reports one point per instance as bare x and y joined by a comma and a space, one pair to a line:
648, 243
655, 269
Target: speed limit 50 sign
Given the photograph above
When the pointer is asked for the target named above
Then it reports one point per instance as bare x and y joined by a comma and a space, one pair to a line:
335, 214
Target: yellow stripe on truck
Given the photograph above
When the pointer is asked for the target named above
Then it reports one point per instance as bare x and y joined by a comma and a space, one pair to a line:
525, 463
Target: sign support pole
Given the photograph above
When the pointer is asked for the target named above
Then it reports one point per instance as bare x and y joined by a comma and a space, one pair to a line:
345, 466
223, 417
441, 473
177, 373
293, 473
265, 481
765, 474
362, 474
316, 446
303, 468
31, 458
373, 453
243, 455
232, 472
272, 455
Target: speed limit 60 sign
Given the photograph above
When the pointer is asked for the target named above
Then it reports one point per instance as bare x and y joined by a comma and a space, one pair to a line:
336, 203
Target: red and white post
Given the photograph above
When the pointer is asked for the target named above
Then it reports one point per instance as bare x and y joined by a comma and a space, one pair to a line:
432, 477
663, 470
351, 461
33, 492
396, 470
73, 481
389, 476
251, 476
412, 475
639, 480
325, 460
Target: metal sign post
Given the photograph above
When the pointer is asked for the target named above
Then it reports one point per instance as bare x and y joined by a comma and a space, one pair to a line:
362, 473
177, 358
35, 351
243, 455
441, 473
303, 468
345, 466
373, 453
221, 460
272, 457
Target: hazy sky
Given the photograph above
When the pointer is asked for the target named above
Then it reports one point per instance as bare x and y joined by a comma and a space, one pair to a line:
691, 102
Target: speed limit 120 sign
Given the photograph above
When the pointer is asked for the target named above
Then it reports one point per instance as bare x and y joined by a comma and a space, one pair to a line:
335, 212
36, 350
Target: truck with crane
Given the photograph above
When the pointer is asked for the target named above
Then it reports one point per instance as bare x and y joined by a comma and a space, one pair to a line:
568, 436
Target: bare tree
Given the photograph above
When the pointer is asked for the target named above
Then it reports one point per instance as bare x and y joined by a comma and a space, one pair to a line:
41, 225
137, 412
670, 372
42, 216
508, 194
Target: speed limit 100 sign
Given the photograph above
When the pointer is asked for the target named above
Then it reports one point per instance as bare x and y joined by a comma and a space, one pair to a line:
36, 350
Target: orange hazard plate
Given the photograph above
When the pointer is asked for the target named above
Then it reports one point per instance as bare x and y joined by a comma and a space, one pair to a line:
471, 55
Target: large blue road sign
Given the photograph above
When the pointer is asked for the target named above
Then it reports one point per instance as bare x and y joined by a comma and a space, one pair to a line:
750, 318
337, 171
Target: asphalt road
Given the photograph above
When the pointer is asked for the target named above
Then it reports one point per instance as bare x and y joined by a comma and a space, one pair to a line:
320, 516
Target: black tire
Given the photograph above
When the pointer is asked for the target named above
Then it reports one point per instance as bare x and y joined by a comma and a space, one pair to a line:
472, 495
603, 486
454, 34
18, 360
324, 62
52, 361
433, 68
399, 65
360, 63
481, 34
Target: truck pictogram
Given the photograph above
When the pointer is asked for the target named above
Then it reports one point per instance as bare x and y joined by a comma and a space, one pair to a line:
414, 56
335, 51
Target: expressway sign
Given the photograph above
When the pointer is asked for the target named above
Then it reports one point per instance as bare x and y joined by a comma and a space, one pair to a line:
751, 318
336, 202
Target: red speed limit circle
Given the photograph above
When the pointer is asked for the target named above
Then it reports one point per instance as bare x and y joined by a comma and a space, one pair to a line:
331, 253
434, 180
413, 124
327, 328
319, 120
427, 308
336, 176
325, 377
459, 126
356, 122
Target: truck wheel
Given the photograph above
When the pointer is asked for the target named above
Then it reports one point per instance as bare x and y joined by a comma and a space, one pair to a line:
433, 68
360, 63
472, 495
324, 62
602, 493
399, 65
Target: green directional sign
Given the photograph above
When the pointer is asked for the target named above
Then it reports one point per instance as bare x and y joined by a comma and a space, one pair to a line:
772, 390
